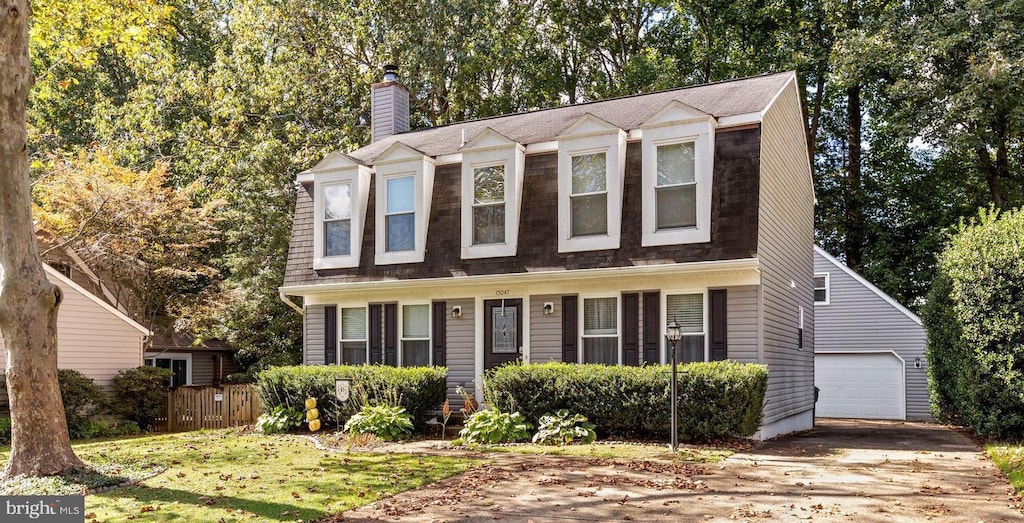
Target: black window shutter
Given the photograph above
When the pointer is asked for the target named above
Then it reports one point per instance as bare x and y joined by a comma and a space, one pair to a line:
330, 335
440, 320
652, 328
631, 329
569, 329
376, 345
719, 329
391, 334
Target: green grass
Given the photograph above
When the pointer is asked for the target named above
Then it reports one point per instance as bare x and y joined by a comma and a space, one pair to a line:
1010, 459
225, 476
615, 450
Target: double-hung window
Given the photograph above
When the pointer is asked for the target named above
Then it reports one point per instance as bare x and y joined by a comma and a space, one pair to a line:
353, 336
676, 187
340, 196
415, 335
677, 164
337, 219
687, 310
600, 330
591, 174
489, 205
822, 294
400, 215
588, 202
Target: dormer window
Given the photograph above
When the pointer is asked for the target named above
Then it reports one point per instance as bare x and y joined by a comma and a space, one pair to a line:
591, 166
340, 193
492, 187
677, 165
405, 181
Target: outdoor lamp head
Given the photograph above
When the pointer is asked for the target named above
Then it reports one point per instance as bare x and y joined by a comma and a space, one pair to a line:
675, 332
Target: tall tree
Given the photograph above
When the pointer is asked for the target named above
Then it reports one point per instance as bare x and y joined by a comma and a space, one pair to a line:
40, 444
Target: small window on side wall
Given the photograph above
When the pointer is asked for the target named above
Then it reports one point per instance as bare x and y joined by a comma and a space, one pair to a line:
822, 292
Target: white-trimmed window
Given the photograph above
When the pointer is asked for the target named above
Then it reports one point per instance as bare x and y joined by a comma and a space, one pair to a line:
404, 181
678, 147
687, 310
415, 336
591, 166
340, 194
179, 364
600, 331
492, 185
822, 289
353, 346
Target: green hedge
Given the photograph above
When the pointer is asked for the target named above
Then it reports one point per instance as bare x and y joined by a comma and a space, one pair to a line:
717, 400
975, 322
419, 389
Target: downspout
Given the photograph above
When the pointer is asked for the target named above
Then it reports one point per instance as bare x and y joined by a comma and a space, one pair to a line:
290, 303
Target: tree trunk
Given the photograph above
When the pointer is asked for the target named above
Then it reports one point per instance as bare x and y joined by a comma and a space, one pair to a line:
854, 246
28, 302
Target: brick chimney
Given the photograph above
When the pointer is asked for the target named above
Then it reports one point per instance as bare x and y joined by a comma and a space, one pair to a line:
389, 105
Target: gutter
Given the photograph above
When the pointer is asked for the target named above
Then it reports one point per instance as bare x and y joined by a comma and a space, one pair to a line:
289, 302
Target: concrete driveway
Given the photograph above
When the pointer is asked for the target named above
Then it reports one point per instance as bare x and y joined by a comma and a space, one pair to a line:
844, 470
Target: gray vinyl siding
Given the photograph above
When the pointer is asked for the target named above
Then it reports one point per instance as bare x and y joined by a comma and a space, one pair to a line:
786, 254
857, 319
741, 322
313, 341
460, 349
545, 331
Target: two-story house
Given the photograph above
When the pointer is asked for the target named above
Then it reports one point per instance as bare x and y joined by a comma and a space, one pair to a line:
569, 234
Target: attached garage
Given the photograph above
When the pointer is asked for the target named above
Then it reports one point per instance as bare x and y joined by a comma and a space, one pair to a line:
860, 385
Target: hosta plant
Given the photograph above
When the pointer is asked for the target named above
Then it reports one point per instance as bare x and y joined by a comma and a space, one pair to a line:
279, 420
385, 422
492, 426
564, 428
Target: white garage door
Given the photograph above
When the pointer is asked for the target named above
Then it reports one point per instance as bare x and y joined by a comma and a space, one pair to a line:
860, 386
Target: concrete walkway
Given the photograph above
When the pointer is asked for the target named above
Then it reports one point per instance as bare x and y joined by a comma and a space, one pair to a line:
864, 471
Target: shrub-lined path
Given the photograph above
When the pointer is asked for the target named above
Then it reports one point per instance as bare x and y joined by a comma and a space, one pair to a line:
842, 471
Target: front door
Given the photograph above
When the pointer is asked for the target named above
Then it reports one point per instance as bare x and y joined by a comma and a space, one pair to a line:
503, 332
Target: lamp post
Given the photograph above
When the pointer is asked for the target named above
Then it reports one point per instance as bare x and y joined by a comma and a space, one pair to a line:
673, 335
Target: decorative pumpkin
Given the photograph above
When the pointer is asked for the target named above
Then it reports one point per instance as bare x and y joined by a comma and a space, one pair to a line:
314, 425
310, 403
312, 415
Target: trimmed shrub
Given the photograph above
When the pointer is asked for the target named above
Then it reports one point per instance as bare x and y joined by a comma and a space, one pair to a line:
975, 322
82, 399
716, 400
140, 394
419, 389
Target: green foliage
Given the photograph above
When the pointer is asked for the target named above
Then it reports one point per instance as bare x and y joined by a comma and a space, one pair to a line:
419, 389
82, 399
975, 323
5, 431
564, 428
93, 428
492, 426
279, 419
389, 423
140, 394
716, 400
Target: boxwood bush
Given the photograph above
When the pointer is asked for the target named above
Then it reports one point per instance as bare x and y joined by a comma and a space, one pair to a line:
975, 322
419, 389
717, 400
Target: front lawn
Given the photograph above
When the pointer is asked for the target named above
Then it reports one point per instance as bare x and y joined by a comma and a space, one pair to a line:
227, 476
1010, 459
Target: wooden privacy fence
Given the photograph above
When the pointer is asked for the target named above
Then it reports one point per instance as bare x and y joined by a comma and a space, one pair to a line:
194, 408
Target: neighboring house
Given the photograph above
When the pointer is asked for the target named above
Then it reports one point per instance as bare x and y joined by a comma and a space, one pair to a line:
869, 349
569, 234
93, 337
193, 362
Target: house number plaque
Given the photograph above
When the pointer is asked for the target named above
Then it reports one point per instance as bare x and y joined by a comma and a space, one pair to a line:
341, 389
502, 292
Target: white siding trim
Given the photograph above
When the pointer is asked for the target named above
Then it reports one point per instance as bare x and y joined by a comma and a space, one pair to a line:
860, 279
110, 308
